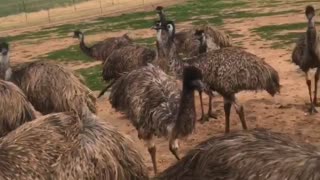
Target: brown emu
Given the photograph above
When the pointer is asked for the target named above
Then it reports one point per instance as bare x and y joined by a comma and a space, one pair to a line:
15, 109
228, 71
257, 154
51, 88
63, 146
124, 60
306, 54
102, 50
154, 104
188, 45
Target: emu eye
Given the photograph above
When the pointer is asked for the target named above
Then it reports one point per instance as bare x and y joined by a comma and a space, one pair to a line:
170, 27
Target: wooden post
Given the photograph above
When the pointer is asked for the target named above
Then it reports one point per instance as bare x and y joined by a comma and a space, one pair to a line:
74, 5
49, 18
25, 10
100, 7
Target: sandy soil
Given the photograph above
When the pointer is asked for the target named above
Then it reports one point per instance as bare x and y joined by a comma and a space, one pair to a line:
285, 112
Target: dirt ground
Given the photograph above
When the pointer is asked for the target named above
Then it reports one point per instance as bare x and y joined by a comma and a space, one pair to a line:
286, 112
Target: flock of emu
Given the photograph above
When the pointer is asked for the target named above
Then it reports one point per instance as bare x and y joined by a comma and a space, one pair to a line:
68, 141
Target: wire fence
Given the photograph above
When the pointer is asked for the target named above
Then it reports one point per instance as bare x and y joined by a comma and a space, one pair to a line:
25, 13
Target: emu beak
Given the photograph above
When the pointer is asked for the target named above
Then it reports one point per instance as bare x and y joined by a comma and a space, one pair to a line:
155, 27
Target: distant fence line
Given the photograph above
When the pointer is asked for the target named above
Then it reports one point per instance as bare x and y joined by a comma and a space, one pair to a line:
25, 13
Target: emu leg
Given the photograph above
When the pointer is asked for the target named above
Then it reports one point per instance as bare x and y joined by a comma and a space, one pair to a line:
312, 109
174, 146
240, 112
210, 113
106, 88
152, 151
316, 79
202, 119
227, 110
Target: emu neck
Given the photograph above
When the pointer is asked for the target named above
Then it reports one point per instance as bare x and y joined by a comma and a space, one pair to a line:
167, 51
85, 48
203, 46
162, 17
187, 114
4, 66
312, 39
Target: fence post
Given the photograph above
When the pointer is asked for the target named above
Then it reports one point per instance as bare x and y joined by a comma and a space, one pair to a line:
49, 18
25, 10
100, 7
74, 5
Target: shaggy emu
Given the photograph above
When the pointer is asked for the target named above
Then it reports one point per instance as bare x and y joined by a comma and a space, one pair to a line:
52, 88
102, 50
15, 109
188, 45
124, 60
306, 55
228, 71
61, 146
257, 154
153, 102
5, 69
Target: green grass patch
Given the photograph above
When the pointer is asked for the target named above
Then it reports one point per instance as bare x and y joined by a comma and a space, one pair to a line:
11, 7
268, 32
72, 53
93, 77
281, 40
179, 13
233, 34
284, 40
244, 14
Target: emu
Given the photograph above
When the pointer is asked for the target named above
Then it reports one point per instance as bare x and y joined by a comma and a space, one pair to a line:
49, 87
123, 60
66, 146
156, 107
228, 71
15, 109
102, 50
306, 55
186, 43
256, 154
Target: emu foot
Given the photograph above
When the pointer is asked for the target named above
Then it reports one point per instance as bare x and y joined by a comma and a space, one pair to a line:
206, 117
313, 110
213, 115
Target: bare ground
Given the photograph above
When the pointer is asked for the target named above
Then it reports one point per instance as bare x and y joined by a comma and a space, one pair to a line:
284, 113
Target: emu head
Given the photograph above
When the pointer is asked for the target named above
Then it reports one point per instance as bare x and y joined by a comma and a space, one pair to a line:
168, 27
5, 70
159, 10
200, 35
126, 37
310, 12
78, 34
4, 48
192, 79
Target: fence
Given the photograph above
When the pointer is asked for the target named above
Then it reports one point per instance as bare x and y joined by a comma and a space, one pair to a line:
26, 13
